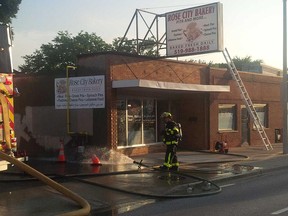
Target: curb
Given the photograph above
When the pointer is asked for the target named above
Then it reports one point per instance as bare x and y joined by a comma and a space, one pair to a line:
216, 153
257, 172
238, 176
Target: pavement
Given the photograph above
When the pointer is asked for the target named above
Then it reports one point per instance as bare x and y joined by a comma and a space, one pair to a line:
243, 160
240, 161
199, 175
211, 166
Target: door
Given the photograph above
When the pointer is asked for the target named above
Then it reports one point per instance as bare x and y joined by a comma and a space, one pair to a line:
245, 132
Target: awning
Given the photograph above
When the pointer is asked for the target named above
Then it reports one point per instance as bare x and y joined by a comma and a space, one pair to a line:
150, 84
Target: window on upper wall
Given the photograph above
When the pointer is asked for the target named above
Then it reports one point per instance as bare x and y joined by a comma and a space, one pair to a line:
262, 112
227, 117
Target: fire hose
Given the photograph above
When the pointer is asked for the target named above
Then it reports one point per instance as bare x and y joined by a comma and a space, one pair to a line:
66, 192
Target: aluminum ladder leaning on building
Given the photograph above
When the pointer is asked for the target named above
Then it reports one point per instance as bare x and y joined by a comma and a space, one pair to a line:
249, 105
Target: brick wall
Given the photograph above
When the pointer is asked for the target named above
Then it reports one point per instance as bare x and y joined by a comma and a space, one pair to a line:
261, 89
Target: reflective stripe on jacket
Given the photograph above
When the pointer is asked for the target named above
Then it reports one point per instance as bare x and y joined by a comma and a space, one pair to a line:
171, 133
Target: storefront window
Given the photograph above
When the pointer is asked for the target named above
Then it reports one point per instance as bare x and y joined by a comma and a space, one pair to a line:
121, 122
136, 121
162, 106
149, 121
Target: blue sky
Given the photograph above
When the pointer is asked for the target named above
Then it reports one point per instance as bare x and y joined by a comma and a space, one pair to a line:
251, 27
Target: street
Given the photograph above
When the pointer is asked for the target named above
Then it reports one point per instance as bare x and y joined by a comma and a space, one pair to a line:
264, 194
108, 194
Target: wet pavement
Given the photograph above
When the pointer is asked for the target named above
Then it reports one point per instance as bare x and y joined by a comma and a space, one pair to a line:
118, 182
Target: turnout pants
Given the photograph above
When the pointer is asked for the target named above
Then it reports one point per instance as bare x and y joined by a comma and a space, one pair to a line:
171, 157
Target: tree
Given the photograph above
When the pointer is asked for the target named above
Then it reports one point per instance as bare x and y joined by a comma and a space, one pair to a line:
242, 64
62, 51
247, 64
8, 10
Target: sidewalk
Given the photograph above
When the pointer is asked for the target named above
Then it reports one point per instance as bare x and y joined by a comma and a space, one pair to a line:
201, 162
267, 160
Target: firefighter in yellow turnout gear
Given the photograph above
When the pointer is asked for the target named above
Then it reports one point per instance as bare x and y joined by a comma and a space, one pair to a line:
171, 137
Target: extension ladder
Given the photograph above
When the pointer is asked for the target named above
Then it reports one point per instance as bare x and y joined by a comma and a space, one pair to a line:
249, 105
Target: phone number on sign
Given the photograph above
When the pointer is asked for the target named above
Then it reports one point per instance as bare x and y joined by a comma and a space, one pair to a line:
192, 49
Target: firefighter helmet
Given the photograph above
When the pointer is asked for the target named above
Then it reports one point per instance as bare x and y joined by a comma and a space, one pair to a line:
166, 115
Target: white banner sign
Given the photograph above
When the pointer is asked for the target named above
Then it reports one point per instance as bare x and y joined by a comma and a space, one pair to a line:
194, 30
85, 92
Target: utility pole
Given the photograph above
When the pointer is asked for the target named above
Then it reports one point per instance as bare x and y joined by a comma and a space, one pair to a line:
284, 83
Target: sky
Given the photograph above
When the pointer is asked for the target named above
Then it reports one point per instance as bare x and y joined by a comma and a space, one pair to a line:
251, 27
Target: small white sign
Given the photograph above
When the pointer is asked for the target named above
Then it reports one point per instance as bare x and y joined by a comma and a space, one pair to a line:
194, 30
84, 92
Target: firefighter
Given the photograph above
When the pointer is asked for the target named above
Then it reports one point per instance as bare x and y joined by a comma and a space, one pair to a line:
171, 137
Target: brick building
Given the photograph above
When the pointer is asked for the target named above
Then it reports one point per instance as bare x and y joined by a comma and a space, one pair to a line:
138, 89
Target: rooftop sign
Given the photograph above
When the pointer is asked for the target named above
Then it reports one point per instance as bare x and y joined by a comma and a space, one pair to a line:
195, 30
